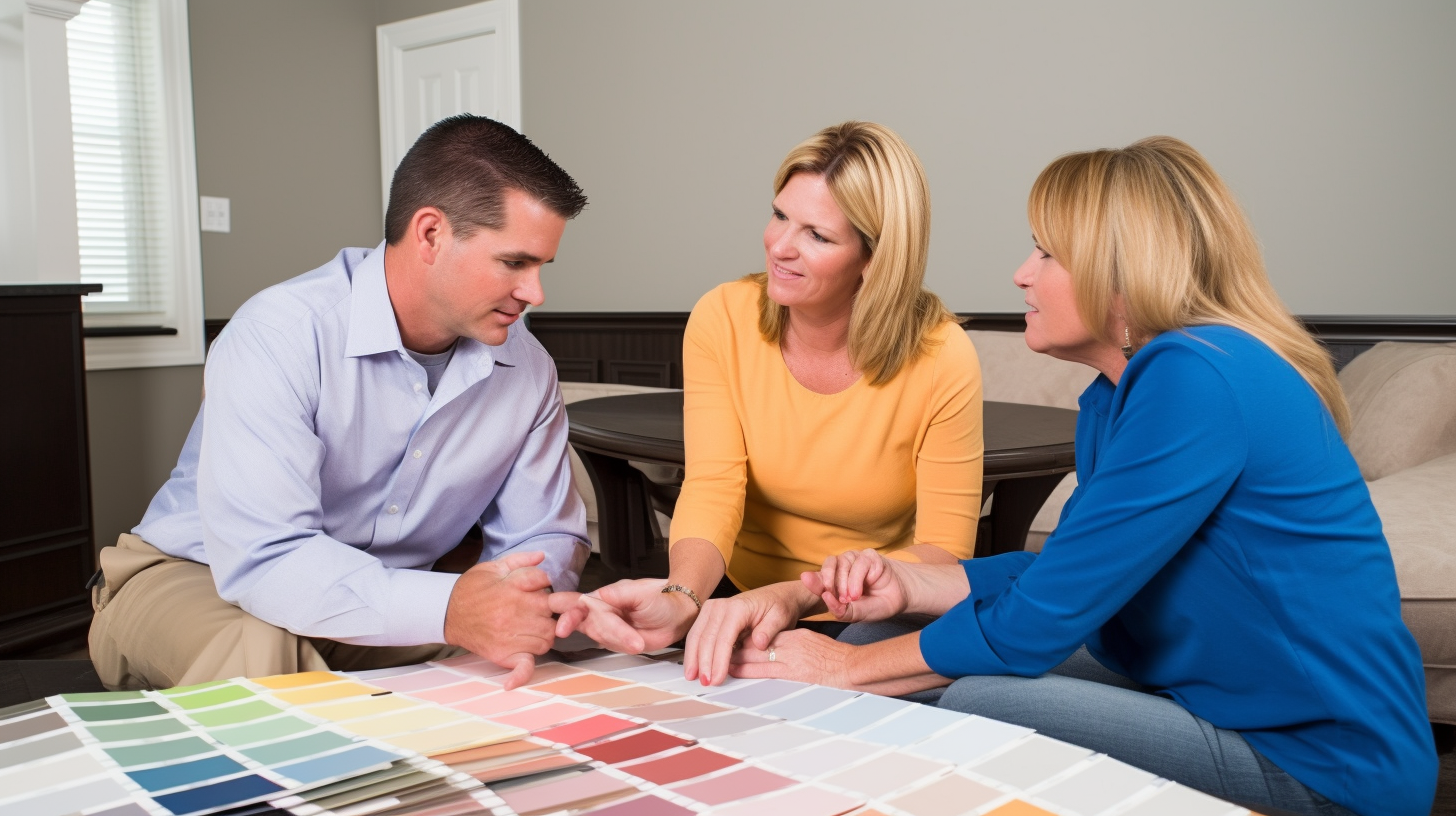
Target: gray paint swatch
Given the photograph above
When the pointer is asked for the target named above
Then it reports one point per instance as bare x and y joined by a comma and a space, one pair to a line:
1099, 787
721, 725
1032, 762
60, 743
811, 702
972, 739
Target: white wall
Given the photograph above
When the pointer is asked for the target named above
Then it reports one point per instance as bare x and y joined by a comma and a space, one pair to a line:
1333, 121
17, 217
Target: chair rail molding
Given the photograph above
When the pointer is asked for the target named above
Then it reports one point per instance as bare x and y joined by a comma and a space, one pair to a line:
488, 31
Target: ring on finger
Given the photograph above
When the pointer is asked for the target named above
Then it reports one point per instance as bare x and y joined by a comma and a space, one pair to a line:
772, 655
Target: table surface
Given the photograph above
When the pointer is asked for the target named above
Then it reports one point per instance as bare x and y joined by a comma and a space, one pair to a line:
1020, 439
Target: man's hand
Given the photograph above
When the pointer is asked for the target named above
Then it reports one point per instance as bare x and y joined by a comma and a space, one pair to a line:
859, 585
500, 611
628, 616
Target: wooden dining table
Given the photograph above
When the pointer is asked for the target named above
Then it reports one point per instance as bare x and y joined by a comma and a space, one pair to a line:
1029, 450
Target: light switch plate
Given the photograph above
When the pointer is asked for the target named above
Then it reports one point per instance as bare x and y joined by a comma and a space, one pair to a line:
216, 214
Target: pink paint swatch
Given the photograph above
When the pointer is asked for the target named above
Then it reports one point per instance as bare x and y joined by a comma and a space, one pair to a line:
587, 730
677, 767
730, 787
563, 792
633, 746
533, 719
580, 684
807, 800
427, 679
460, 691
493, 704
642, 806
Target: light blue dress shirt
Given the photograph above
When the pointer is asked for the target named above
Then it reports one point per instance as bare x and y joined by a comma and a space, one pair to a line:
321, 479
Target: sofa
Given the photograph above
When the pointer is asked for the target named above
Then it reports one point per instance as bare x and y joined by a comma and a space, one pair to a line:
1403, 436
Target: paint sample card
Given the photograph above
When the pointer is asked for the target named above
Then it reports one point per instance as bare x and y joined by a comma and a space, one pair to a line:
587, 730
178, 774
580, 684
300, 680
418, 681
473, 687
643, 806
234, 714
57, 743
297, 748
948, 796
467, 734
36, 776
261, 731
629, 697
227, 793
678, 710
543, 716
858, 713
165, 751
769, 741
886, 774
20, 728
140, 729
633, 746
70, 799
824, 757
682, 765
1017, 807
107, 712
552, 671
1031, 763
1174, 798
750, 695
734, 785
500, 703
657, 672
564, 793
614, 662
319, 694
360, 707
721, 725
807, 703
342, 764
911, 725
404, 722
213, 696
972, 739
807, 800
1098, 787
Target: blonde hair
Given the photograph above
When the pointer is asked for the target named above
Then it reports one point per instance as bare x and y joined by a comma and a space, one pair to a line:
880, 186
1155, 224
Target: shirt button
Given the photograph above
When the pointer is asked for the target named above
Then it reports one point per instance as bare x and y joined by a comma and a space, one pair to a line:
418, 454
393, 508
418, 387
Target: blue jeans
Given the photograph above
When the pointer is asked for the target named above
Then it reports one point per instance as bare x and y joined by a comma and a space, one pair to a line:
1084, 703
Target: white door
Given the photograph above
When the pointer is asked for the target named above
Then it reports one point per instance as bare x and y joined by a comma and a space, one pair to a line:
460, 61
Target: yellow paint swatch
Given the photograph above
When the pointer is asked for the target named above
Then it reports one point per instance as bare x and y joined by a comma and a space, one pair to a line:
360, 707
416, 719
332, 691
287, 681
456, 737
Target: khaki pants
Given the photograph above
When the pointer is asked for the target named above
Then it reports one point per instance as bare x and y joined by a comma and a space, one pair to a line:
160, 623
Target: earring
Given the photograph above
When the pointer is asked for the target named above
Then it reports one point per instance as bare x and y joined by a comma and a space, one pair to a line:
1126, 343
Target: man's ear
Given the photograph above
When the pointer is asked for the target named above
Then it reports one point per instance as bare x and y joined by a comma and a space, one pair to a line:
430, 231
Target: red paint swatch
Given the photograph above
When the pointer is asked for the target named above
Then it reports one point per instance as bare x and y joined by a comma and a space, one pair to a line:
686, 765
633, 746
584, 731
731, 787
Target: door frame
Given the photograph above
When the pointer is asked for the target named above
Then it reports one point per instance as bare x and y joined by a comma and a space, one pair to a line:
499, 17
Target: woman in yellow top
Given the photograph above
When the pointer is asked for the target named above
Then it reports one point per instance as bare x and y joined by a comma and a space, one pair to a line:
831, 403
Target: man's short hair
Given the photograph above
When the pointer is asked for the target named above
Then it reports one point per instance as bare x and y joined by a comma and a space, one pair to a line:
463, 166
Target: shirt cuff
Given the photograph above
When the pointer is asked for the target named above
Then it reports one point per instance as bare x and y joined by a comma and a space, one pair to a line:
417, 603
955, 645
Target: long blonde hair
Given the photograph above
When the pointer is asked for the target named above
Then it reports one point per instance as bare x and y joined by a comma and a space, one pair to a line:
880, 186
1155, 224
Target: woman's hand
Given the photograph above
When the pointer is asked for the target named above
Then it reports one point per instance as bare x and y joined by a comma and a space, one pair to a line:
755, 616
798, 654
628, 616
860, 585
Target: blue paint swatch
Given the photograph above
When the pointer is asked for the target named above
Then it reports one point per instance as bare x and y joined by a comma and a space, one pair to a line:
857, 714
975, 737
221, 794
912, 726
185, 773
811, 702
344, 763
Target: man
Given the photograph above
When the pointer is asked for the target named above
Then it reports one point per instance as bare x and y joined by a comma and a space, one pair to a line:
365, 422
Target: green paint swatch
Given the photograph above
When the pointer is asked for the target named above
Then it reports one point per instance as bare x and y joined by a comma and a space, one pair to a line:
118, 711
102, 696
172, 692
231, 715
260, 731
142, 729
225, 694
295, 748
130, 755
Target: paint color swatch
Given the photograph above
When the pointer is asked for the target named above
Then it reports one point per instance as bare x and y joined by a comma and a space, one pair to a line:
1174, 798
948, 796
807, 800
288, 681
911, 725
552, 671
613, 662
824, 757
858, 713
769, 741
885, 774
560, 794
971, 739
679, 766
657, 672
417, 681
734, 722
678, 710
139, 729
1016, 807
30, 726
227, 793
734, 785
500, 703
261, 731
633, 746
469, 734
580, 684
118, 711
147, 753
1098, 787
234, 714
297, 748
474, 687
360, 707
57, 743
628, 697
186, 773
404, 722
807, 703
756, 694
642, 806
1031, 763
543, 716
331, 691
587, 730
216, 695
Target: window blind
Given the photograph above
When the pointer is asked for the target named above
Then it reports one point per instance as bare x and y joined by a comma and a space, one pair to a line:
121, 170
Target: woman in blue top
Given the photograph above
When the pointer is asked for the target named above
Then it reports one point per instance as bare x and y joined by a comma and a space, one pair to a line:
1220, 560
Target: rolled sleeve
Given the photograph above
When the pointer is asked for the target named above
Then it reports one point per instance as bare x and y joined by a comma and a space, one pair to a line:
953, 645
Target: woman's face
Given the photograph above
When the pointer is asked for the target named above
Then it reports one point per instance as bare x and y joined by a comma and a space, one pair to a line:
813, 255
1053, 325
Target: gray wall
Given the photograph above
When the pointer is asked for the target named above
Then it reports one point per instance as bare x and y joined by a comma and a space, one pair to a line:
1332, 121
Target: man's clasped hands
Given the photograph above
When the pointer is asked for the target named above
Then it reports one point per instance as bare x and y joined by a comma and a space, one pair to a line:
751, 635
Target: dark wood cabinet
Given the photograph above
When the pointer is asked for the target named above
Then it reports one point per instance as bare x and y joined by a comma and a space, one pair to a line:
47, 551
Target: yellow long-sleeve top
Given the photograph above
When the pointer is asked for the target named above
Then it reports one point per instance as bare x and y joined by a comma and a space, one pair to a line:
780, 477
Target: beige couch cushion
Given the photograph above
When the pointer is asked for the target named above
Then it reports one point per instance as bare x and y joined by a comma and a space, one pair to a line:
1402, 405
574, 392
1417, 506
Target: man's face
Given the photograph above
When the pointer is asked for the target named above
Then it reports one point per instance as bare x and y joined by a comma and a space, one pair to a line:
479, 286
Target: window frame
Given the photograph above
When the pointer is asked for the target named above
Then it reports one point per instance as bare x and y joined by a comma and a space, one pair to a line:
185, 312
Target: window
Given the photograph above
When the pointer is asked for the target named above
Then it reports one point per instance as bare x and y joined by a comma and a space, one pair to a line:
136, 189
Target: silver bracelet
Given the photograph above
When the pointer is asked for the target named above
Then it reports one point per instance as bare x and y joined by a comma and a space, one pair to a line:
684, 590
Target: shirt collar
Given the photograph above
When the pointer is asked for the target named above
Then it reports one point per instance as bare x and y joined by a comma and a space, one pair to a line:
372, 327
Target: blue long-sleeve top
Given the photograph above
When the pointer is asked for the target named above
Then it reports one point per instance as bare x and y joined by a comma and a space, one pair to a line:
1221, 549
